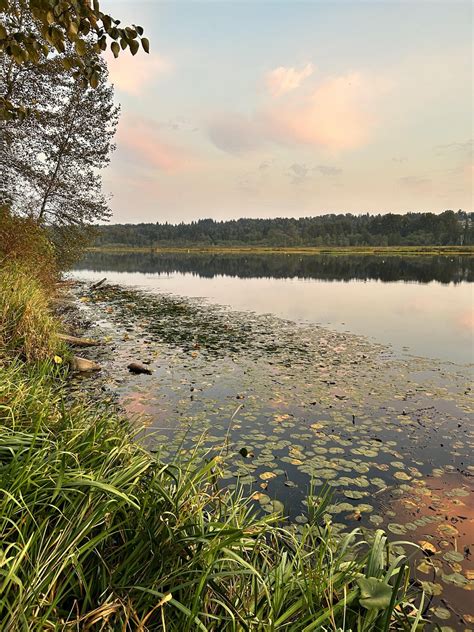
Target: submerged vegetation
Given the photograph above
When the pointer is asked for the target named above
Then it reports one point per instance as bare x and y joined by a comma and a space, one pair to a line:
96, 532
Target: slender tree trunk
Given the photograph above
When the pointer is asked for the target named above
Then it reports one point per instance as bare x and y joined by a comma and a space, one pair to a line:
62, 149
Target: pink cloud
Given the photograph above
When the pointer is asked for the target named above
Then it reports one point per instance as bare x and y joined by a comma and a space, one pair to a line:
286, 79
339, 113
132, 74
143, 141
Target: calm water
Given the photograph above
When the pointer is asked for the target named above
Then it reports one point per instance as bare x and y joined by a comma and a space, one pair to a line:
421, 305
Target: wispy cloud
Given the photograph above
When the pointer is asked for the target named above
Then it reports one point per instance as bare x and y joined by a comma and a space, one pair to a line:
235, 133
300, 172
144, 143
415, 182
461, 147
328, 170
286, 79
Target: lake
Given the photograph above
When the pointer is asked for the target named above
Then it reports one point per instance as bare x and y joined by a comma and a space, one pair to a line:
421, 305
301, 373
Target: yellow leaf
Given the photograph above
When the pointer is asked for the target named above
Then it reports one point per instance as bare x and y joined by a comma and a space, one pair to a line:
57, 359
427, 547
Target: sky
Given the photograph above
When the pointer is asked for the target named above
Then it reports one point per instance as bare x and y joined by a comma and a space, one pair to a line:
287, 108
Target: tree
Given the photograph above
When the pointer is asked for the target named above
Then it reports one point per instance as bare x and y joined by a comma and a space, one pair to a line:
33, 33
56, 156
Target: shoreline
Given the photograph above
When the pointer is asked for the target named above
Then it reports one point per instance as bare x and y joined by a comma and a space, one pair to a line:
294, 250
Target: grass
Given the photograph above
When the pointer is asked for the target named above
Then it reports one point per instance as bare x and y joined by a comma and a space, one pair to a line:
98, 534
300, 250
27, 328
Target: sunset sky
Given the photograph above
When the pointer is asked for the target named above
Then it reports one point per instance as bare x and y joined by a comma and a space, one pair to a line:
265, 109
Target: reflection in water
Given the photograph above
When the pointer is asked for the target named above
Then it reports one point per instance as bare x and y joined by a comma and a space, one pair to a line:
283, 266
421, 303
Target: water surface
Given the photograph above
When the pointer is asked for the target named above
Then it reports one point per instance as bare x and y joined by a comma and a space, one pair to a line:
423, 305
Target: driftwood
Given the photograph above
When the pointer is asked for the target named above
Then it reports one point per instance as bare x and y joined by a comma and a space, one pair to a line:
83, 365
135, 367
98, 284
78, 342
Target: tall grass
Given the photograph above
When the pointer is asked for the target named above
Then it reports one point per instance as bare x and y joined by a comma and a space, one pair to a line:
27, 328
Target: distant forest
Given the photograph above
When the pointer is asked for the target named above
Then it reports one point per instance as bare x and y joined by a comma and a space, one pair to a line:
411, 229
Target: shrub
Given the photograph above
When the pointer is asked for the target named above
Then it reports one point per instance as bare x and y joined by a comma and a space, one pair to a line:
23, 240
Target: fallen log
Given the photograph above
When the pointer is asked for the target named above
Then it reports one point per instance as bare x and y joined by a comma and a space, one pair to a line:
78, 342
94, 286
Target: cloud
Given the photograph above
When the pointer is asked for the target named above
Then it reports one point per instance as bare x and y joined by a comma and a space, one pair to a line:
339, 113
282, 79
235, 133
464, 147
298, 173
415, 182
143, 141
328, 170
132, 74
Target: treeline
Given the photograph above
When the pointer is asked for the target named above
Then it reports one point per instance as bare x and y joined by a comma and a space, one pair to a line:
411, 229
443, 269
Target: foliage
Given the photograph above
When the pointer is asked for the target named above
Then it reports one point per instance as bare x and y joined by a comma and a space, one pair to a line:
98, 534
23, 241
54, 159
27, 329
61, 26
447, 228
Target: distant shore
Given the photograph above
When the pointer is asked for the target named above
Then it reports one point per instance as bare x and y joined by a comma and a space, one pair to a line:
296, 250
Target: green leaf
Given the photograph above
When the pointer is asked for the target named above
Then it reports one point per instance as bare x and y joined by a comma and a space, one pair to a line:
134, 46
94, 80
146, 44
374, 593
115, 49
80, 47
